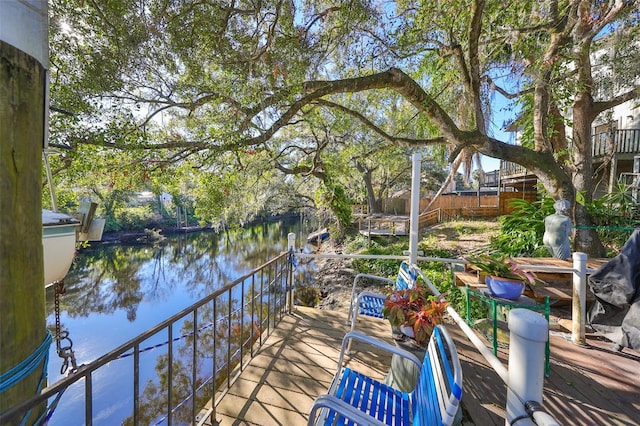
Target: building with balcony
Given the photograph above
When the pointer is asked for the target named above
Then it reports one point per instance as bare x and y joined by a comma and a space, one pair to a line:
615, 152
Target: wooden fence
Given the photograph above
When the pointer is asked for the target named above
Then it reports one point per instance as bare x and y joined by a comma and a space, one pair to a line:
452, 206
448, 207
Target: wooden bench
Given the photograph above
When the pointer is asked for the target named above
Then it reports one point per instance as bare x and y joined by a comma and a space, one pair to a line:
356, 398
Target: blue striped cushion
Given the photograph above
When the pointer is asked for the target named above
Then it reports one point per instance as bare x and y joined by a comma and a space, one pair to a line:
383, 402
371, 306
406, 277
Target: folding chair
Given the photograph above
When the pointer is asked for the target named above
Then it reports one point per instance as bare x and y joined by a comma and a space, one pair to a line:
370, 303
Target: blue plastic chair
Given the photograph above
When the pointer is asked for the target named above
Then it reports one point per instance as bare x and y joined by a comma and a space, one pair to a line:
354, 398
370, 303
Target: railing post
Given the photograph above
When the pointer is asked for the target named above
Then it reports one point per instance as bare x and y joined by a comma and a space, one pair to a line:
579, 303
528, 335
291, 239
416, 159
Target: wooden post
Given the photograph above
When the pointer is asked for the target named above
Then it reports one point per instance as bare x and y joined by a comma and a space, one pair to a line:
22, 301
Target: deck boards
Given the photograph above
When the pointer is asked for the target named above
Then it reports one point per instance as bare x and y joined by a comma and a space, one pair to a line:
590, 385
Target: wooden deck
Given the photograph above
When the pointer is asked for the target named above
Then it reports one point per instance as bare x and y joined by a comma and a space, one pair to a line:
383, 225
590, 385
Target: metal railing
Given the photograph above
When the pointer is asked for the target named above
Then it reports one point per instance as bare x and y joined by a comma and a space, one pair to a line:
219, 336
203, 349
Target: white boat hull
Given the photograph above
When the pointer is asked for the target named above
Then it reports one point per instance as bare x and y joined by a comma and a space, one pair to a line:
59, 244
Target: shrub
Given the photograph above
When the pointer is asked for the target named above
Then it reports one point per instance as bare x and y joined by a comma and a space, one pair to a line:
307, 295
521, 232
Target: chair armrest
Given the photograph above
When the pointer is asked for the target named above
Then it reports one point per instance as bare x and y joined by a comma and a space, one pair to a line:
342, 408
371, 277
377, 343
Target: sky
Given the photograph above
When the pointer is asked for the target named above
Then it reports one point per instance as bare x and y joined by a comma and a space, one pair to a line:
504, 111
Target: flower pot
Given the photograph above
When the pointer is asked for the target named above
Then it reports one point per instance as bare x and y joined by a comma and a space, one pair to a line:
505, 288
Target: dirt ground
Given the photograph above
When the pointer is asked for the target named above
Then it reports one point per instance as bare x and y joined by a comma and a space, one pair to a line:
335, 276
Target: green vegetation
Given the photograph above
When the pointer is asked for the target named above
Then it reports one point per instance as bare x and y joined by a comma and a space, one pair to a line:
521, 232
614, 217
297, 105
439, 273
307, 295
520, 235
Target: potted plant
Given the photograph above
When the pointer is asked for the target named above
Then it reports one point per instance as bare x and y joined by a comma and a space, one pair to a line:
415, 311
504, 277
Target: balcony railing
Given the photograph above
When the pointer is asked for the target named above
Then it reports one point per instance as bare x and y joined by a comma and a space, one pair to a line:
199, 353
624, 141
510, 169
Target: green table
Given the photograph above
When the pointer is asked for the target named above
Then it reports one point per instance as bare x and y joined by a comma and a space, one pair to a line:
484, 295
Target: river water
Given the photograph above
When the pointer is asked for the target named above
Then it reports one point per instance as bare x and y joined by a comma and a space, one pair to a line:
116, 292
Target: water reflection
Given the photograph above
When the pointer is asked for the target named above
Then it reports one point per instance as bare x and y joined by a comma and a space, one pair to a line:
115, 292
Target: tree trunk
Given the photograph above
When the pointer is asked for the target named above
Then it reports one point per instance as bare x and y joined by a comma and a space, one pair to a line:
586, 240
454, 169
22, 301
371, 195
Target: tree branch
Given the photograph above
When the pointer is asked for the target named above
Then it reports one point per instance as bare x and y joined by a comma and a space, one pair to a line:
393, 139
599, 107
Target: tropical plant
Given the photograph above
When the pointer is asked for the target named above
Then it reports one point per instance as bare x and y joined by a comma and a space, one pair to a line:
416, 308
501, 266
521, 232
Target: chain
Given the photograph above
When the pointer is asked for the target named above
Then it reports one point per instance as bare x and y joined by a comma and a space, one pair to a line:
64, 352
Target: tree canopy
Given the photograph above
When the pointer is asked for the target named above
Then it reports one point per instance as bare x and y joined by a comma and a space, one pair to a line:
208, 84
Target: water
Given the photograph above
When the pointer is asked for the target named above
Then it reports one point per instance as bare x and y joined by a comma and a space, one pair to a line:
116, 292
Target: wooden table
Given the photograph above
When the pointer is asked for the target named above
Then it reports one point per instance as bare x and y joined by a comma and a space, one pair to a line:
558, 286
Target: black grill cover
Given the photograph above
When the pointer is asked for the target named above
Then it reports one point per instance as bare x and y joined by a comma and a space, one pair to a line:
616, 287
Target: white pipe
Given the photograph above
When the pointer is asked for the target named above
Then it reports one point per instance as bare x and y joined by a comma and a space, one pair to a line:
415, 206
493, 360
541, 417
536, 355
528, 335
377, 256
291, 238
52, 193
579, 301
